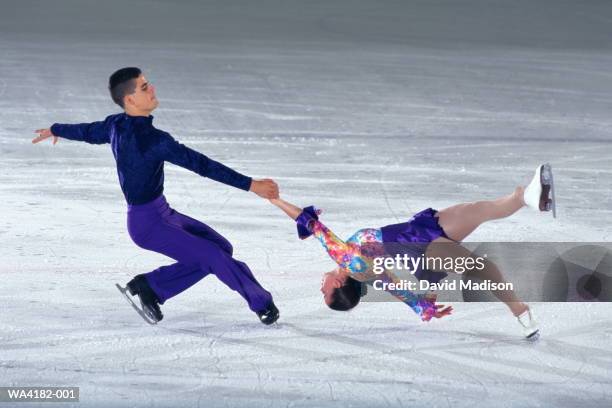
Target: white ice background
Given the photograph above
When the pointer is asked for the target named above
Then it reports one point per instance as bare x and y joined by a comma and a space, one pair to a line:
370, 110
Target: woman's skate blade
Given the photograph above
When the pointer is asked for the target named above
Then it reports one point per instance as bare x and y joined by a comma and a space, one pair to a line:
540, 193
548, 175
531, 329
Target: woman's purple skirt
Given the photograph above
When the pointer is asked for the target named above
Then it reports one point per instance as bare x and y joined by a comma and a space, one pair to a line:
412, 238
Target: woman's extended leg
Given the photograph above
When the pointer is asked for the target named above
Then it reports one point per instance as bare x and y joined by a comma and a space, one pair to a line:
443, 248
461, 220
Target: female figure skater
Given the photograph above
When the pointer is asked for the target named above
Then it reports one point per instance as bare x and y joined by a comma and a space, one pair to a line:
343, 287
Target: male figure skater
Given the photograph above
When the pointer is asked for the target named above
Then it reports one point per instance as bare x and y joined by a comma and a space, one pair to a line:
140, 151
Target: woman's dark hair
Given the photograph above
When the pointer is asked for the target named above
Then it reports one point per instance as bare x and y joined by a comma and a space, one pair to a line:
347, 296
122, 83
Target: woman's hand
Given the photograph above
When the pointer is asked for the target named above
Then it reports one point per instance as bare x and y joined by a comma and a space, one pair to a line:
438, 311
431, 309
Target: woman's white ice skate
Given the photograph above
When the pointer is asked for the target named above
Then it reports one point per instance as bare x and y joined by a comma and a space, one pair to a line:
540, 193
531, 330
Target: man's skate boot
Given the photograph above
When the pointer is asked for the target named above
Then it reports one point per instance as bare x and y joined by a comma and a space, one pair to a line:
531, 330
540, 193
270, 315
148, 300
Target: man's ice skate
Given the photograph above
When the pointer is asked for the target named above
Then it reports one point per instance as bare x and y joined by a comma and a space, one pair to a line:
270, 315
540, 193
531, 331
149, 308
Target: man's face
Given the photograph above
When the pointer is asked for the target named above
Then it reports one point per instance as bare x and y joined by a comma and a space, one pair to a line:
331, 281
143, 99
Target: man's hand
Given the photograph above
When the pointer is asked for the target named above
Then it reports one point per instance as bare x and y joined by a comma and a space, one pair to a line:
44, 134
265, 188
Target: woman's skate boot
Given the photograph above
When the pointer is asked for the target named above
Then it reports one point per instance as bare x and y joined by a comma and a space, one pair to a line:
540, 193
531, 330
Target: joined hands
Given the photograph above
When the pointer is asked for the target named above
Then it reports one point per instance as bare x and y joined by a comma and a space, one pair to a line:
266, 188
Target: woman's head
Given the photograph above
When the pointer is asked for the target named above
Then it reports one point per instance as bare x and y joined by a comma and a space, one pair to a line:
340, 292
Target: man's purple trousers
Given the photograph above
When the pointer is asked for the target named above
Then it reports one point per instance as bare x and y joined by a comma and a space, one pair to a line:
198, 249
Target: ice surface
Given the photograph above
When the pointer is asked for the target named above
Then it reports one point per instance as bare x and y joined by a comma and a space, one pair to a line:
372, 111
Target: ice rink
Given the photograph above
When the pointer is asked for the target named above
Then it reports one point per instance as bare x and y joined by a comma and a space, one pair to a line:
370, 110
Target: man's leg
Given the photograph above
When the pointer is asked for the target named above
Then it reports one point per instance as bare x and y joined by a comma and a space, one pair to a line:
200, 229
461, 220
205, 231
170, 280
169, 238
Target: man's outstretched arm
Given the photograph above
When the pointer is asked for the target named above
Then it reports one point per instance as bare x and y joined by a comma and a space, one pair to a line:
94, 133
168, 149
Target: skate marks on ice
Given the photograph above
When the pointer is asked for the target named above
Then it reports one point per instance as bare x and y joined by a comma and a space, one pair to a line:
209, 342
372, 135
480, 365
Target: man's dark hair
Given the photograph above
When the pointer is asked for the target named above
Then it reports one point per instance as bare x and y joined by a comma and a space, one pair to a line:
347, 296
122, 83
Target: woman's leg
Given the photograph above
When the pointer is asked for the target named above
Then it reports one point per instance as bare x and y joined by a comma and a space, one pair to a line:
461, 220
443, 248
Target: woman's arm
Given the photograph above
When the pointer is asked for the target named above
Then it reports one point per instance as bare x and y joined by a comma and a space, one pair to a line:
288, 208
424, 305
346, 255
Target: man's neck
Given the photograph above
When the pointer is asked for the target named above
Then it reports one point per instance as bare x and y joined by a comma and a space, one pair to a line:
132, 112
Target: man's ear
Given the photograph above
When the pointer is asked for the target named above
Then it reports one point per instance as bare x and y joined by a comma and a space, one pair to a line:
338, 283
128, 100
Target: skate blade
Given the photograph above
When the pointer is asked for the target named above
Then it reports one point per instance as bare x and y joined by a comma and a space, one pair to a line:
138, 310
552, 192
547, 199
535, 336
